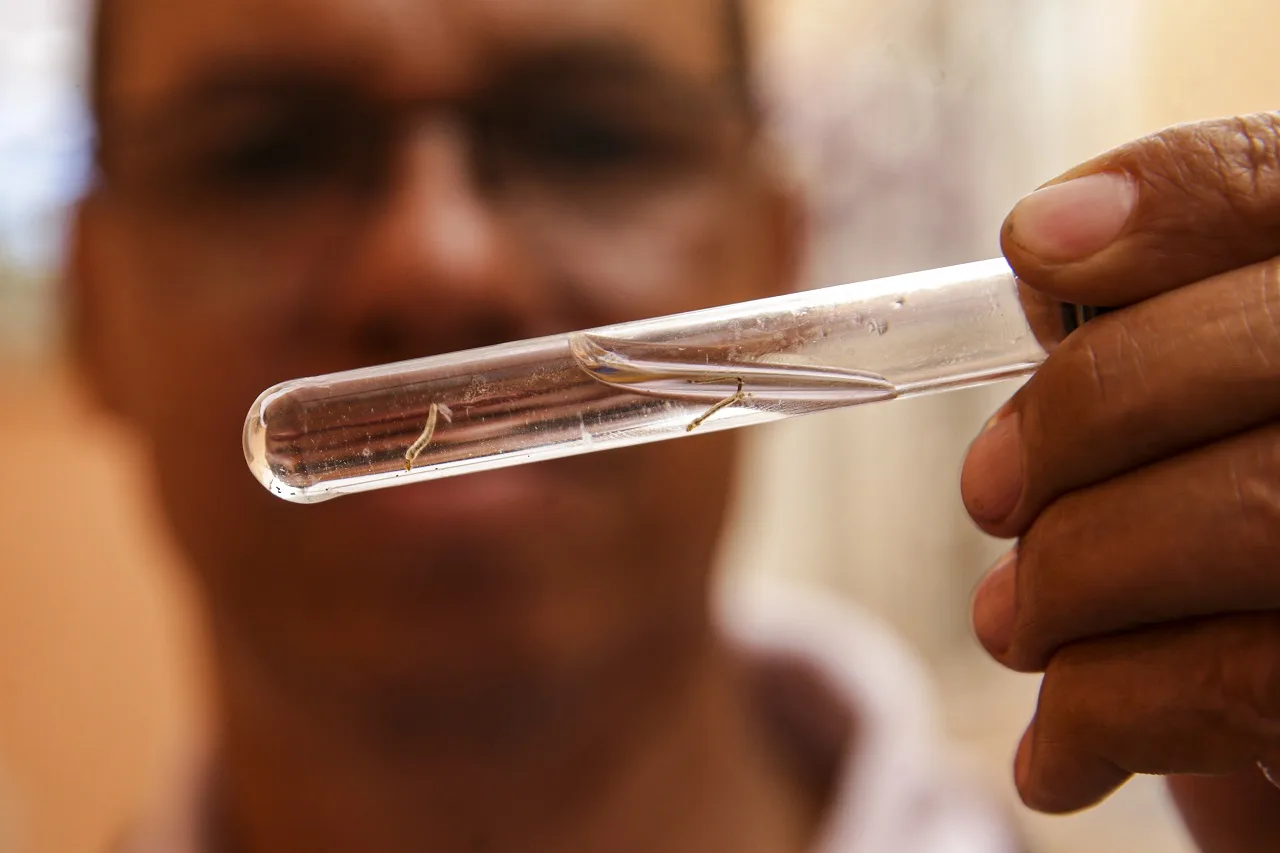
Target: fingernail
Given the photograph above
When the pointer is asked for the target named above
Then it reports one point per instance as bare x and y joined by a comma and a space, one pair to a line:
992, 479
1074, 220
994, 605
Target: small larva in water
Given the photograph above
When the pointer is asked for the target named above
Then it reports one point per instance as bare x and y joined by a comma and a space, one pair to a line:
737, 397
415, 450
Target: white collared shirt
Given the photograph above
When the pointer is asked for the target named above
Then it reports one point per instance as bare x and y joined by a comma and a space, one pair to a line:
898, 789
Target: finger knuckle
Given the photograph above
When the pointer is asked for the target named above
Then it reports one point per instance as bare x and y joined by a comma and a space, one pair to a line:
1234, 160
1103, 366
1253, 152
1237, 158
1258, 316
1247, 677
1253, 474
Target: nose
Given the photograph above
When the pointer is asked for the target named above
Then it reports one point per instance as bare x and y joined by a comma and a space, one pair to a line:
434, 267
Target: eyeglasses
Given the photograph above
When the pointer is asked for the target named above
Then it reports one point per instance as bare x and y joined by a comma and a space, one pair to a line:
295, 157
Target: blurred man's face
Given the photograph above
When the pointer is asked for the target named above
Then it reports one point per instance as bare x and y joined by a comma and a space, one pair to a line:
302, 186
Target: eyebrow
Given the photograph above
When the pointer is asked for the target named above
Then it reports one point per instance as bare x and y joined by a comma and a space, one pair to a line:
604, 63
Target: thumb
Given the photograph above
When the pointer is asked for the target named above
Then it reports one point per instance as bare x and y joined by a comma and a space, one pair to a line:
1183, 205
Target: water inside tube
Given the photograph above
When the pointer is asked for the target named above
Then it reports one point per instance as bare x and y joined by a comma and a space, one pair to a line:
548, 398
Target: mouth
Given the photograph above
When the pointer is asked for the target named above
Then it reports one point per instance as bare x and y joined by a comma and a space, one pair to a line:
490, 499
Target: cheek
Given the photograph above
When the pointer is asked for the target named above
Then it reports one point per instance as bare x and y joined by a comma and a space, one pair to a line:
199, 338
241, 278
222, 312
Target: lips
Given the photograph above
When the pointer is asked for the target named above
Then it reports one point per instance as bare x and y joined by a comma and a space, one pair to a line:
476, 544
486, 499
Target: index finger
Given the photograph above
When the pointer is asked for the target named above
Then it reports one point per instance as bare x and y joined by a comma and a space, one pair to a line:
1182, 205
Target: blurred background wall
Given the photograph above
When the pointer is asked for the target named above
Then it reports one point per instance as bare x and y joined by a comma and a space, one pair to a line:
917, 124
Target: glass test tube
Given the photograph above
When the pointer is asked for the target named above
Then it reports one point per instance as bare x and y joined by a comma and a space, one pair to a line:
313, 439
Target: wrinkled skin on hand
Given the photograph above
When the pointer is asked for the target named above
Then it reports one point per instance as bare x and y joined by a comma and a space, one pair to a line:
1139, 471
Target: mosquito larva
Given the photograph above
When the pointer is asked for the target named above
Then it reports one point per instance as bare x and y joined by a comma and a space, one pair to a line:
415, 450
737, 397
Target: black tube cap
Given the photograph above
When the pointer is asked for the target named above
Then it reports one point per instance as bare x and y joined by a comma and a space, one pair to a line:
1075, 316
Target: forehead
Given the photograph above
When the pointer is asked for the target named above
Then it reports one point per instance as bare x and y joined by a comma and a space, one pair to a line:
405, 47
